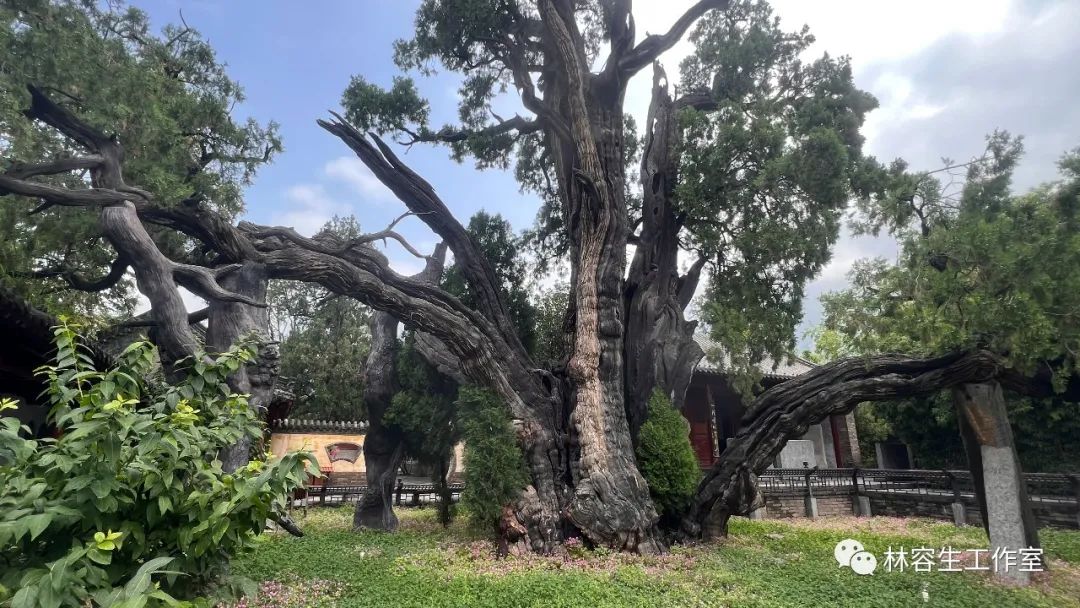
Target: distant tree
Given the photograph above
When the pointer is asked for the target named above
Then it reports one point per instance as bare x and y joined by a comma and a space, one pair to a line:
552, 339
324, 342
502, 249
981, 268
322, 356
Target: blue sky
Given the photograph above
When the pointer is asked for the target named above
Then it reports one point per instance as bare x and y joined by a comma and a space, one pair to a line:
946, 74
293, 63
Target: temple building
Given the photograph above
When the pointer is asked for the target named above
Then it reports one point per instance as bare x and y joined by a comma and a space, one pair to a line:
713, 408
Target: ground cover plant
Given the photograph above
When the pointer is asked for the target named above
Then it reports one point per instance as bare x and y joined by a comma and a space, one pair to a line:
765, 564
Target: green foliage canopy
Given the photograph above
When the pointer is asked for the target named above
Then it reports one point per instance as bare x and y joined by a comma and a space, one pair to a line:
982, 268
770, 155
164, 95
767, 170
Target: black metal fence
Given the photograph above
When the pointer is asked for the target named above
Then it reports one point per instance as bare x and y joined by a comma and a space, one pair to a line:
408, 495
1055, 497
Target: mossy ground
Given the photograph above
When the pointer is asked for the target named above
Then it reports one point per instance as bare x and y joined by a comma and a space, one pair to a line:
762, 564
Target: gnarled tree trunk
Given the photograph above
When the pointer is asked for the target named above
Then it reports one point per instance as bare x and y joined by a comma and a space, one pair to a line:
628, 335
661, 352
790, 408
383, 446
230, 322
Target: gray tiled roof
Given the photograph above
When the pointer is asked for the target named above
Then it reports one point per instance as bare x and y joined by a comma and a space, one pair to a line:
305, 425
789, 367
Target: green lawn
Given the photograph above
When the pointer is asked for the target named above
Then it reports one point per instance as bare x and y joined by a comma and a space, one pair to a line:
762, 564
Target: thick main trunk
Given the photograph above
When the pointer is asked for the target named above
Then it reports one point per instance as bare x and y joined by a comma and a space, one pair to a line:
576, 437
383, 446
228, 323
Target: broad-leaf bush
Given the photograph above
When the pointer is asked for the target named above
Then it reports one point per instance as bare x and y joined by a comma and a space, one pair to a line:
129, 506
666, 458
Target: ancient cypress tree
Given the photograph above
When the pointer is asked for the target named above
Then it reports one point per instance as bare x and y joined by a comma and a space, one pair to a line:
747, 167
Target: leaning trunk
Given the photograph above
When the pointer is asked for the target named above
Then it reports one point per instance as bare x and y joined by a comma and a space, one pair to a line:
790, 408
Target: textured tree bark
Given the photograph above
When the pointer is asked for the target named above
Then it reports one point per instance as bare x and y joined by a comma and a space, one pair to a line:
661, 352
153, 275
230, 322
995, 468
611, 504
576, 432
157, 277
790, 408
383, 448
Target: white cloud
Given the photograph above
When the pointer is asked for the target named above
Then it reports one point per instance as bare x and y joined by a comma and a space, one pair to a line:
308, 207
192, 302
848, 250
355, 173
881, 38
887, 31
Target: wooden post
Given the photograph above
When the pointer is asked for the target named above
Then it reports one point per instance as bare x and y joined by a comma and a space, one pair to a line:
860, 501
995, 469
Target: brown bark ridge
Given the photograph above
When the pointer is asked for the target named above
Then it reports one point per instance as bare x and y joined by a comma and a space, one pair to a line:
611, 504
384, 448
790, 408
661, 352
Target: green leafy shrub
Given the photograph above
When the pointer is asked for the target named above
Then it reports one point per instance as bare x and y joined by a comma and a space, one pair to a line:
666, 458
494, 467
129, 506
